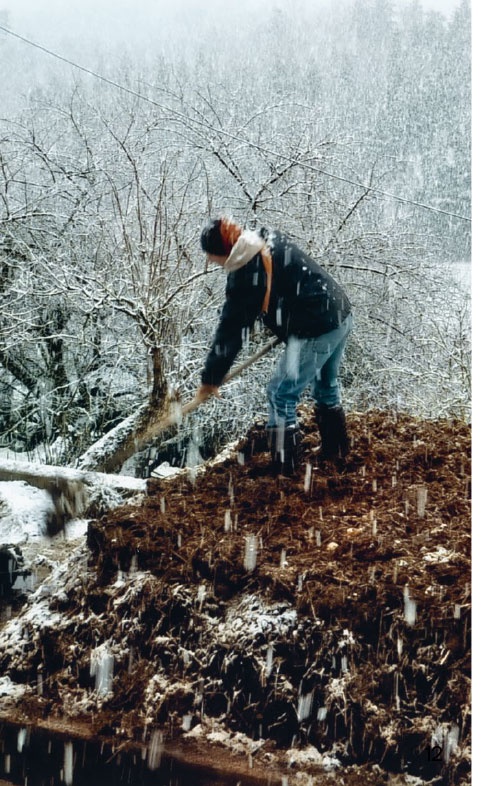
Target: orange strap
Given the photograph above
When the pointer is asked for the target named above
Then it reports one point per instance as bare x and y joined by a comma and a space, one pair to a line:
268, 267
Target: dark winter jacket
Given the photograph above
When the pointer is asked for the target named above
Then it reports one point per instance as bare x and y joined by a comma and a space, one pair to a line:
305, 302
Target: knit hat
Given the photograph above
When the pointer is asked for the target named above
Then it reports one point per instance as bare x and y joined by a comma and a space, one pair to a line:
225, 238
219, 236
211, 239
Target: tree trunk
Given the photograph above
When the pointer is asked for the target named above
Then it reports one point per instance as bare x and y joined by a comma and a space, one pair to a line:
135, 432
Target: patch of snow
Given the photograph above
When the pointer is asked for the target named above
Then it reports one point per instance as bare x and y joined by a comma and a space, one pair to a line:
198, 732
226, 453
347, 639
330, 762
18, 631
251, 617
24, 511
165, 470
11, 689
336, 689
215, 732
76, 528
36, 614
440, 555
309, 755
158, 689
127, 483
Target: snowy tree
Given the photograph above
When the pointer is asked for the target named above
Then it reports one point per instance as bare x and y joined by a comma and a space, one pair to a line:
347, 127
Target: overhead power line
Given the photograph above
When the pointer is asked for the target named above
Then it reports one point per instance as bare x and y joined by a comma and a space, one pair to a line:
206, 125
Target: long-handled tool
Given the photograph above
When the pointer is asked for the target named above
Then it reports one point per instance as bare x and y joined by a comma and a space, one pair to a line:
68, 487
141, 428
176, 413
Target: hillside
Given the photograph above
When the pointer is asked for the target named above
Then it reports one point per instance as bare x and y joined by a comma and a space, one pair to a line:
317, 626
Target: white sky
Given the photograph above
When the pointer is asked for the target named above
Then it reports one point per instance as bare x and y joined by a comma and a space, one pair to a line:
112, 16
23, 8
58, 24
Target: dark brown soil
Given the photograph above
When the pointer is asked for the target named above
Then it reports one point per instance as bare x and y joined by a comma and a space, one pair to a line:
351, 633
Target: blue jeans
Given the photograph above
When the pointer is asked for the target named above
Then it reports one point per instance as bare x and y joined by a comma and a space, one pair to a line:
307, 361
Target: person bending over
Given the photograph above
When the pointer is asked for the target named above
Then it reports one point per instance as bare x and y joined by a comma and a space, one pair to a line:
270, 276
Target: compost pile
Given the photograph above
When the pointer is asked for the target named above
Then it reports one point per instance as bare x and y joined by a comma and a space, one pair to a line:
320, 622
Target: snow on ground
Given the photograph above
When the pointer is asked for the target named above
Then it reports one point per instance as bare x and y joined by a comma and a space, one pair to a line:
23, 511
250, 617
64, 564
9, 688
23, 514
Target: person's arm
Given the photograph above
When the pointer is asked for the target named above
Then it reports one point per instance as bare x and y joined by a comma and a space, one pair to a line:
206, 391
244, 296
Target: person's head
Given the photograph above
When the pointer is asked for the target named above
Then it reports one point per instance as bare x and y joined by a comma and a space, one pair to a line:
218, 238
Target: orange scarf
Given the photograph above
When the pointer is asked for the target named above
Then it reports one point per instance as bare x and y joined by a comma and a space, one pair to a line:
268, 267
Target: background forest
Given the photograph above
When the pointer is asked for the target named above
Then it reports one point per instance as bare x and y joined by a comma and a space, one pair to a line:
346, 126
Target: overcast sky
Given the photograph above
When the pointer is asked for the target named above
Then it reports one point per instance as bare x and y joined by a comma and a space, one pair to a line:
112, 17
82, 29
22, 8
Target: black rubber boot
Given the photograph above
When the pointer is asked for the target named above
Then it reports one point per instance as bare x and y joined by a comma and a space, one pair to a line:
285, 446
335, 442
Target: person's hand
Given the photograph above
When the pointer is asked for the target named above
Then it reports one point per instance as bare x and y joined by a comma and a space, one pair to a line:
206, 391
